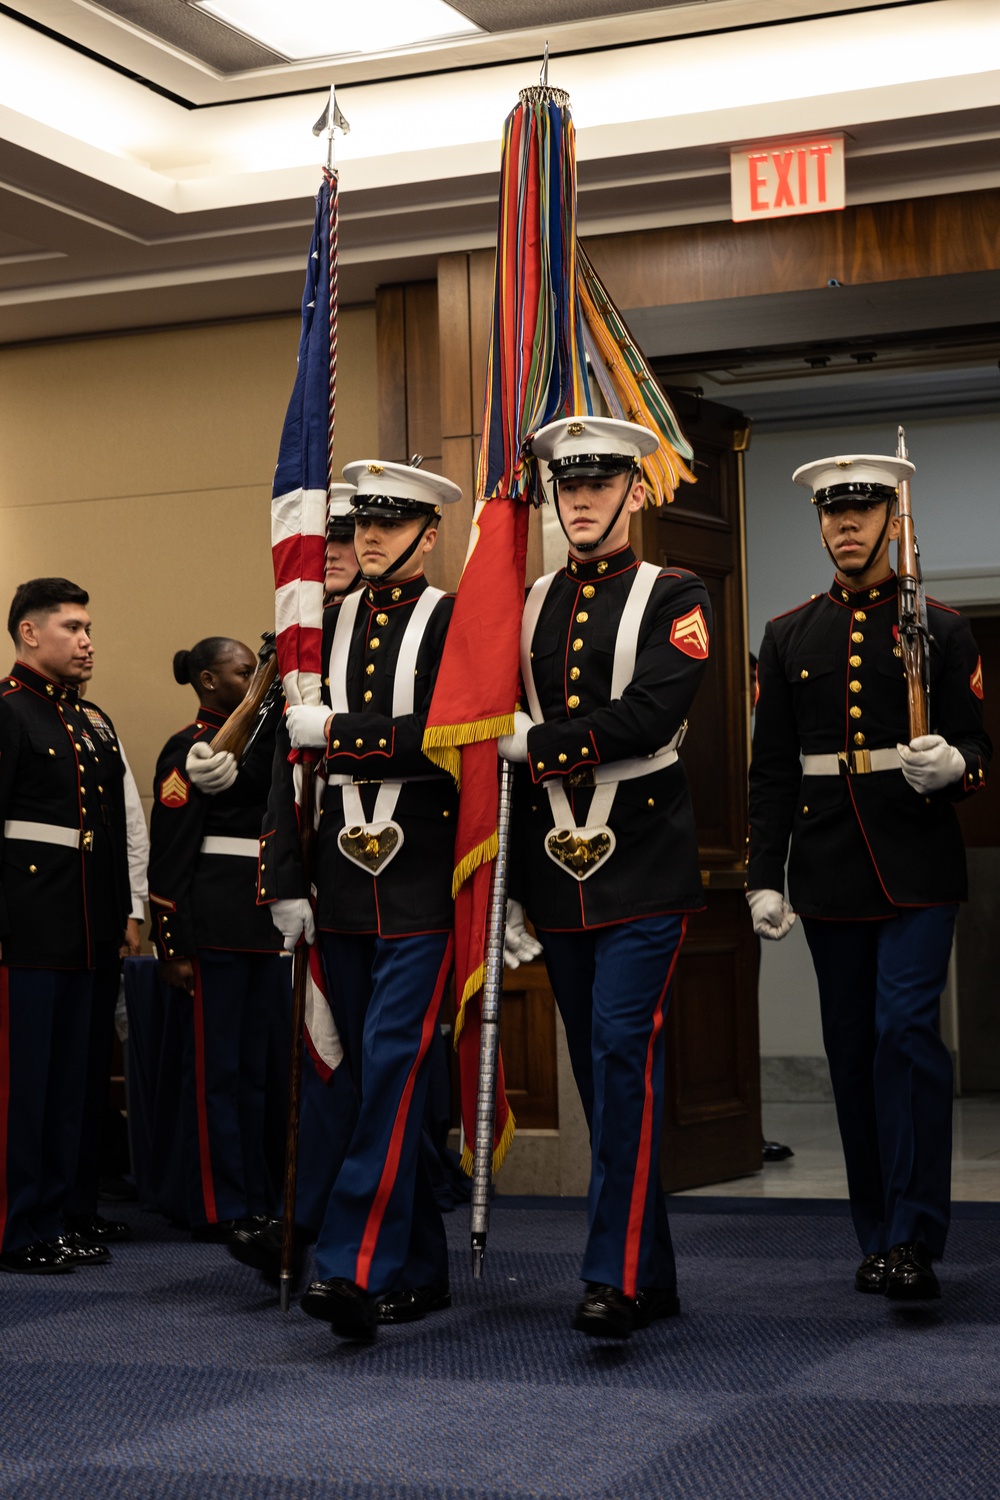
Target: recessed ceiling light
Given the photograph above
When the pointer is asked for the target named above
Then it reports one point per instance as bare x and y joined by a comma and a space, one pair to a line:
300, 29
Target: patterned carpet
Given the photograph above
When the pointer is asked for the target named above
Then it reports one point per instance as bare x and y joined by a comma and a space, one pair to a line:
171, 1375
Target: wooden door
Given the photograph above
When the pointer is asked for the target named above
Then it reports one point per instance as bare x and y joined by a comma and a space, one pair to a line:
712, 1124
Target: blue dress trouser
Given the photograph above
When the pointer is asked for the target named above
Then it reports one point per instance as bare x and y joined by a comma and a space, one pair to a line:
612, 986
223, 1085
327, 1117
880, 989
104, 1003
383, 1228
44, 1030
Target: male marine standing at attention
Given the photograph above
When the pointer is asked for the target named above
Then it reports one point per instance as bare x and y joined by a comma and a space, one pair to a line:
64, 903
877, 866
384, 912
612, 652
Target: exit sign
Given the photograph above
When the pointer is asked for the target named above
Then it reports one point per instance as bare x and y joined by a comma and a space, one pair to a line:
789, 177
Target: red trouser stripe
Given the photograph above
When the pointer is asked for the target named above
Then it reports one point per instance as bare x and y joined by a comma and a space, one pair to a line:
391, 1167
4, 1090
201, 1101
640, 1182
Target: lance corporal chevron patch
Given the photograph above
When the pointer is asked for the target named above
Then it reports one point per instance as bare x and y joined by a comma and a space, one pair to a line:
690, 634
174, 789
976, 680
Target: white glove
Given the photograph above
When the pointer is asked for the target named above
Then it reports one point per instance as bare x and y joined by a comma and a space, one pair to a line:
294, 919
929, 763
307, 726
771, 913
519, 947
515, 746
211, 771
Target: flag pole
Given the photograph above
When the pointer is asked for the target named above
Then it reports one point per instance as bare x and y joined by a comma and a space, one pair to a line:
482, 1167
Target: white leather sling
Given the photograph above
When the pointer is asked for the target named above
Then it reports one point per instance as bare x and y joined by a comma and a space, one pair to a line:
579, 849
372, 844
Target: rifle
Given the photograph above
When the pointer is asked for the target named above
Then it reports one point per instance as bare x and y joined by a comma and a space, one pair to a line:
914, 637
247, 719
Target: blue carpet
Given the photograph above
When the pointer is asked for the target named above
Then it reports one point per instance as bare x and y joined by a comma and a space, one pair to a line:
171, 1375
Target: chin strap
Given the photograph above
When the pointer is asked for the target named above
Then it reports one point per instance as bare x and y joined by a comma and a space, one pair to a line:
859, 572
403, 557
589, 546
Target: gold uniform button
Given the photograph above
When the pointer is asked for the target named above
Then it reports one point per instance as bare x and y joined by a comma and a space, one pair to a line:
855, 661
577, 646
562, 760
51, 751
804, 673
76, 746
445, 813
858, 636
326, 682
540, 764
369, 669
368, 696
860, 616
32, 869
382, 744
897, 651
582, 617
589, 591
373, 643
602, 567
584, 750
574, 674
381, 619
854, 685
573, 701
170, 951
855, 711
335, 745
650, 802
358, 743
859, 738
805, 809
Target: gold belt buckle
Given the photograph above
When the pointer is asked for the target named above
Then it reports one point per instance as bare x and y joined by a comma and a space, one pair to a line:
856, 762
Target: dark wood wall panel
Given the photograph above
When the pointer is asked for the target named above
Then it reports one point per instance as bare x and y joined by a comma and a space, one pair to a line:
528, 1040
939, 236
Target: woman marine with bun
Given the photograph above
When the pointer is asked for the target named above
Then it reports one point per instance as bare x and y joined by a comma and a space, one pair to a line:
215, 944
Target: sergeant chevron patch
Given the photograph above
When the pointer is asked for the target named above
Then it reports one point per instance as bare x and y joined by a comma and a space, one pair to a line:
976, 680
690, 634
174, 789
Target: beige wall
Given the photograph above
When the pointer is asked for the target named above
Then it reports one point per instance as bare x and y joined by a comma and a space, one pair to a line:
140, 467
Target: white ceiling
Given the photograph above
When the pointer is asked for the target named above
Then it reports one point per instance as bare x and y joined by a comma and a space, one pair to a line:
139, 185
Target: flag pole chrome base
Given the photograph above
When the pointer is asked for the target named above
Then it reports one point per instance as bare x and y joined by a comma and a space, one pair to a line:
478, 1256
285, 1292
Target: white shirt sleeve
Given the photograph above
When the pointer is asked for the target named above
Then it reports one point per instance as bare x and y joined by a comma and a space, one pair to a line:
137, 840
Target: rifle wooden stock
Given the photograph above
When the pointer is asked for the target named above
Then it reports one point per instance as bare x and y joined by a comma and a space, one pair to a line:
236, 731
912, 627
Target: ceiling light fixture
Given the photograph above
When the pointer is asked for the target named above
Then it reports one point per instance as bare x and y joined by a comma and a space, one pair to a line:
302, 29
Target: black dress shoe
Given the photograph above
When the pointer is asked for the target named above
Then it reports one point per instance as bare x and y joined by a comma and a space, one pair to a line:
40, 1259
80, 1251
654, 1302
259, 1246
348, 1308
414, 1303
95, 1229
775, 1151
213, 1234
605, 1313
910, 1277
870, 1275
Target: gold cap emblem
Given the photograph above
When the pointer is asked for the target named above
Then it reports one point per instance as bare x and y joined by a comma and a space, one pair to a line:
845, 463
375, 469
575, 428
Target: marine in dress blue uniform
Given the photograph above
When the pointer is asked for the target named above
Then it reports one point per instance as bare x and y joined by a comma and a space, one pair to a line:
64, 901
216, 947
612, 652
876, 865
383, 901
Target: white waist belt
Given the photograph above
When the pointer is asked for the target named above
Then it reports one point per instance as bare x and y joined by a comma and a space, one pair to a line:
43, 833
217, 844
852, 762
639, 765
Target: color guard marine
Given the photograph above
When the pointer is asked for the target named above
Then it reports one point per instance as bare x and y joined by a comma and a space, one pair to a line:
612, 652
876, 865
64, 902
215, 946
384, 913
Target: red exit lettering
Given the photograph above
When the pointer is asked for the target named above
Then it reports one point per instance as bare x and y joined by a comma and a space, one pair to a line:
794, 177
